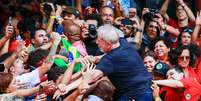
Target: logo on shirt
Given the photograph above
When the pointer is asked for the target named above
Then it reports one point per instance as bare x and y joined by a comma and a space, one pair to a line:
188, 96
159, 66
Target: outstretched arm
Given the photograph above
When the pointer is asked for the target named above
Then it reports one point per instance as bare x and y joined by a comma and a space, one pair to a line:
187, 9
170, 83
164, 7
197, 28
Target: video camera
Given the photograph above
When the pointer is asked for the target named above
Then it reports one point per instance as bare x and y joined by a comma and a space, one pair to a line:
47, 8
92, 31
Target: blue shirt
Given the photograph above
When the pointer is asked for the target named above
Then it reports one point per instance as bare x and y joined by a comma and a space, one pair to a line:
125, 68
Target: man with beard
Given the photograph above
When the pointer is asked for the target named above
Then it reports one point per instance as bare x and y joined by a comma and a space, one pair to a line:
39, 38
123, 66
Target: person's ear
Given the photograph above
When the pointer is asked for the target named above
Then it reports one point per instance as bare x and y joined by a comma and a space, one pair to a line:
33, 41
8, 90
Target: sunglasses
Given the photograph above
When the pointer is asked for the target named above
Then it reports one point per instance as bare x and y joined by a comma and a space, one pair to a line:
128, 26
188, 30
184, 57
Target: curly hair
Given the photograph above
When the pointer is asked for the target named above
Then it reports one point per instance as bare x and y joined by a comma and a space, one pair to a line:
194, 53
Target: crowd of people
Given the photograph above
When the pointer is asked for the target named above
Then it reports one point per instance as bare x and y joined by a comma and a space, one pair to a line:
104, 50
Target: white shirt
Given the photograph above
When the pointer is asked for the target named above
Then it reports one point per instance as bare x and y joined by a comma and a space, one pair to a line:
31, 78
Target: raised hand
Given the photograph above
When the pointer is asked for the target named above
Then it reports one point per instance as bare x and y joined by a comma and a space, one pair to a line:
56, 36
53, 13
60, 91
9, 31
145, 10
48, 87
20, 46
59, 10
89, 72
41, 9
41, 97
155, 89
198, 18
117, 21
82, 88
180, 2
23, 54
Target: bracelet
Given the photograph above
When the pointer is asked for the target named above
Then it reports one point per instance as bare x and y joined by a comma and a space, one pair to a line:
52, 17
157, 99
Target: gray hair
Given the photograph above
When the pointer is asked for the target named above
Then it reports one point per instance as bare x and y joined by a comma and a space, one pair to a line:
108, 33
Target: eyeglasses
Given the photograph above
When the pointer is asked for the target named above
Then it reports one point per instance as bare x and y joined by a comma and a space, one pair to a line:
108, 15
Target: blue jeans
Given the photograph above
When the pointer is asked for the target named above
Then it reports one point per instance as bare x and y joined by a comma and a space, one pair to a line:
147, 96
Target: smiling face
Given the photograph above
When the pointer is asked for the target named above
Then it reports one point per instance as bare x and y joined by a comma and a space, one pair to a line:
161, 50
172, 74
107, 15
149, 63
184, 58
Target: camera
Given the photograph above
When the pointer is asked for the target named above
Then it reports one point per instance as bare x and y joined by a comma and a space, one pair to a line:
47, 8
92, 31
151, 14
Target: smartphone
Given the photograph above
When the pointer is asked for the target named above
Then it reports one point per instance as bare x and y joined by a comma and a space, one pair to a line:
2, 67
10, 20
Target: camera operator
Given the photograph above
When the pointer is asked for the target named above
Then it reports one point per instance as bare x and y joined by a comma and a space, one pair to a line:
89, 34
50, 12
151, 30
132, 32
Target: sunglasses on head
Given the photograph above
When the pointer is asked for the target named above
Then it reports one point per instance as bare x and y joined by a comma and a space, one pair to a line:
188, 30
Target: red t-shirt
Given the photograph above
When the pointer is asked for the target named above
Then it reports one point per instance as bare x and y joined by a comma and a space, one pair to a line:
199, 43
174, 23
171, 94
192, 89
191, 72
198, 69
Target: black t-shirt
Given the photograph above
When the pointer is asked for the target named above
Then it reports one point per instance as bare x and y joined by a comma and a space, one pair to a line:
92, 48
125, 68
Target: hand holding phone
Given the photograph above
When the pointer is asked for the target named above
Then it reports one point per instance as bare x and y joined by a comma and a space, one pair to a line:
9, 28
